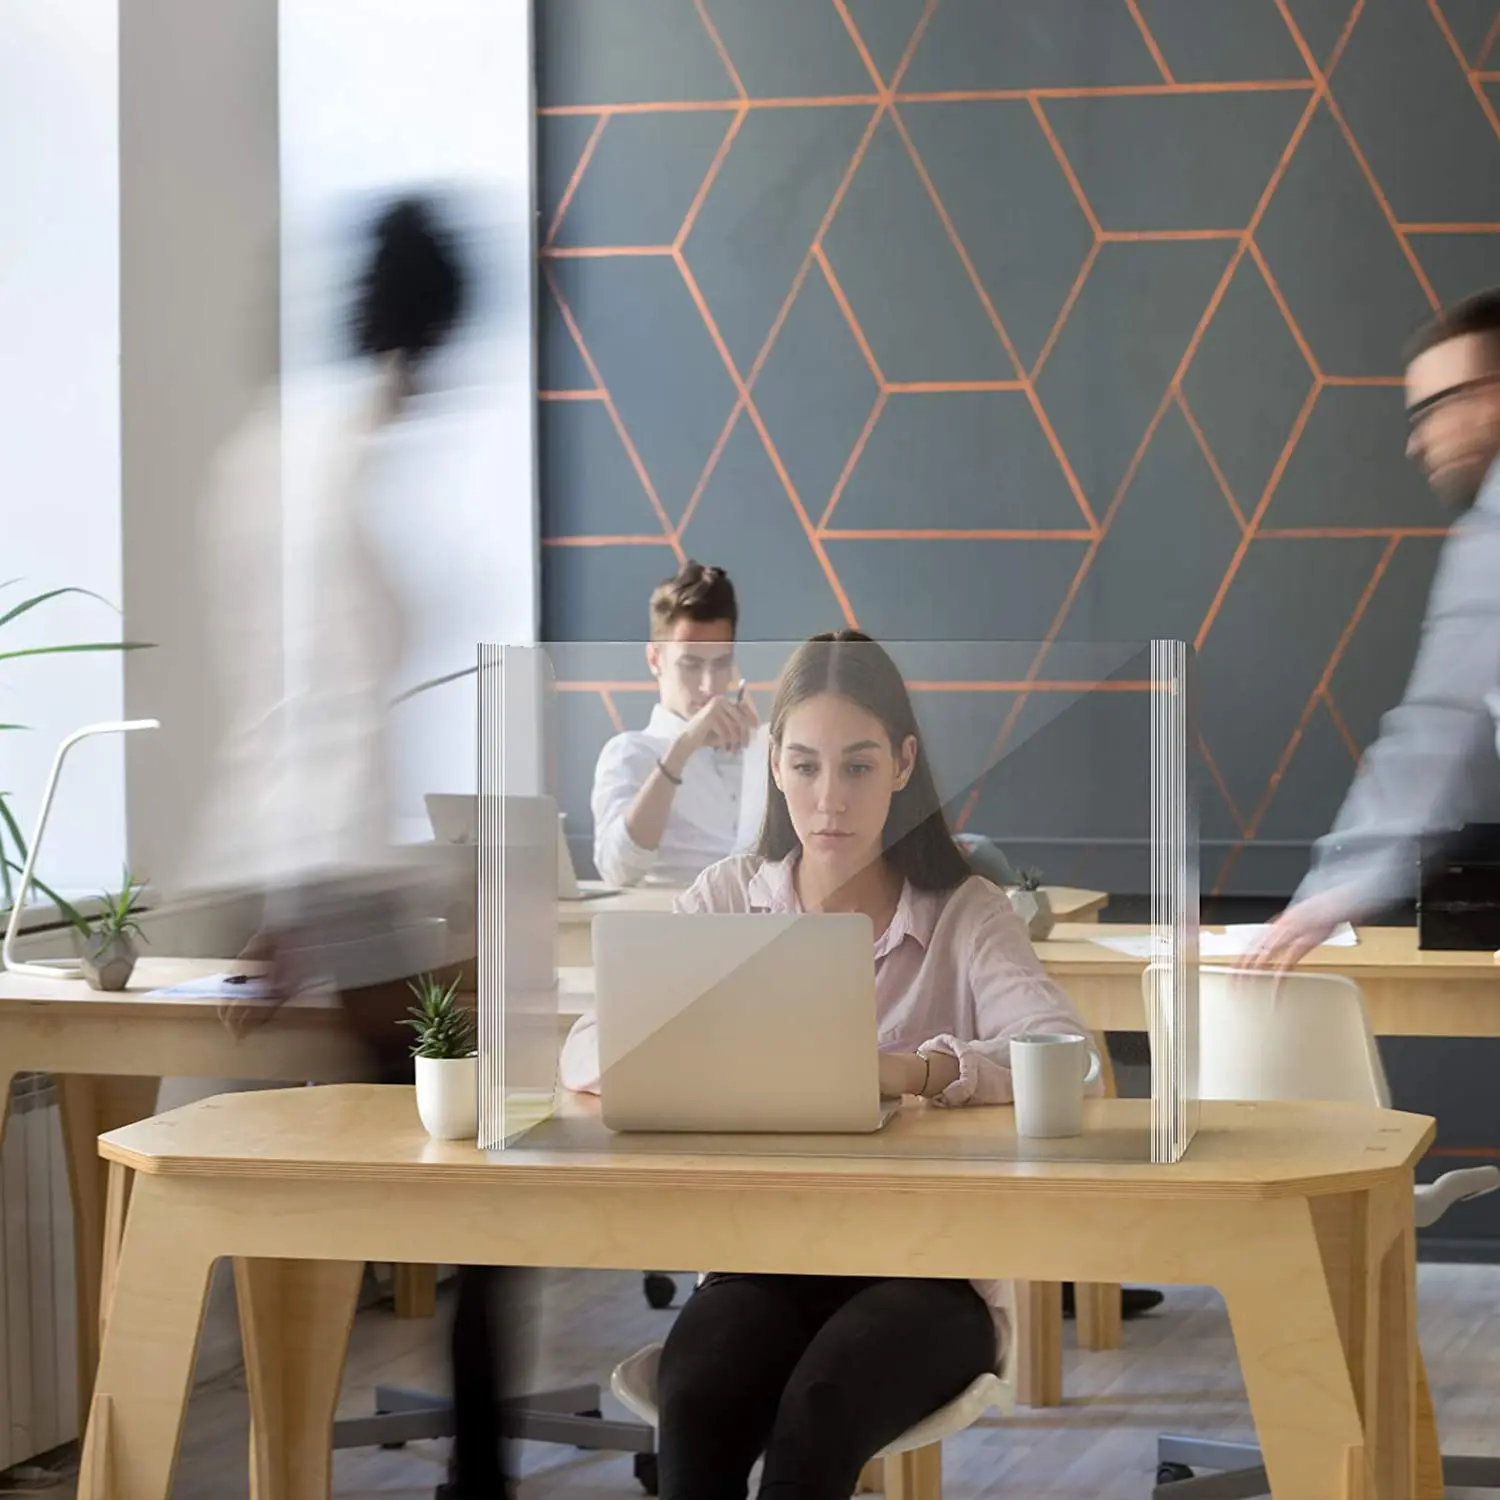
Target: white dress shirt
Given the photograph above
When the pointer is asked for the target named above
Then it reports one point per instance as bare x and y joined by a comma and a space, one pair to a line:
703, 825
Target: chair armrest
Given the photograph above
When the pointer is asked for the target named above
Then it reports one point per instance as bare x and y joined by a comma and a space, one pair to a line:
1434, 1199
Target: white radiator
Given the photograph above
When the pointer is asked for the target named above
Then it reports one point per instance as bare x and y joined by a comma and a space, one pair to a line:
38, 1316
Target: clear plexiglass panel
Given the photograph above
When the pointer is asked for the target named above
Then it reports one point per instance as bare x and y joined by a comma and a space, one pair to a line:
738, 897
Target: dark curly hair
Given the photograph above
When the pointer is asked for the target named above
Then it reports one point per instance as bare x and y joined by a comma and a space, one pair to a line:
412, 291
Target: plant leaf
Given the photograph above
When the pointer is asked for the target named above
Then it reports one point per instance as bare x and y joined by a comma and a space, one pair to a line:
81, 646
36, 599
12, 827
65, 908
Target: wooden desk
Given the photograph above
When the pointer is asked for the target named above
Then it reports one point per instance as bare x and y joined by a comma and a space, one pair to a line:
574, 918
1300, 1214
110, 1052
1408, 992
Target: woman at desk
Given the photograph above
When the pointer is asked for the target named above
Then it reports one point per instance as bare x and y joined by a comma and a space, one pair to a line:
819, 1373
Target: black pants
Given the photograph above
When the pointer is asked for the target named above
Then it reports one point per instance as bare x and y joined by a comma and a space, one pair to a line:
818, 1373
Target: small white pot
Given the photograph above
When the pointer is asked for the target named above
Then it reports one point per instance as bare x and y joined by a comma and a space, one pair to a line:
448, 1097
1035, 910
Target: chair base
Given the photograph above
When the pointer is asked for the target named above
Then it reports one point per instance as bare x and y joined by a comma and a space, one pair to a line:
1243, 1477
567, 1417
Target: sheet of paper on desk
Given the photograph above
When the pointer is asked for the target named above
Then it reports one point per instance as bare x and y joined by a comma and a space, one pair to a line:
1244, 936
1234, 942
1131, 944
215, 987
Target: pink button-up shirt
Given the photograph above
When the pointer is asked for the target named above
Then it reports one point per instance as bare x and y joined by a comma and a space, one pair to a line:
954, 972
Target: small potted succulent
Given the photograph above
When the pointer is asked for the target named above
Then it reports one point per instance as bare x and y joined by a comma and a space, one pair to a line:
447, 1061
1031, 904
106, 943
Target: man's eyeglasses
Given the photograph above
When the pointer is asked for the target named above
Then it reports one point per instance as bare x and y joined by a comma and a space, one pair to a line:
1418, 411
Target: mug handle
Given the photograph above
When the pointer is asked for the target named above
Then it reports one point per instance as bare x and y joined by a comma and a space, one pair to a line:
1095, 1066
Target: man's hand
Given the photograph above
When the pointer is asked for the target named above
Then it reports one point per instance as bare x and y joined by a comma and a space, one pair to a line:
720, 724
1298, 930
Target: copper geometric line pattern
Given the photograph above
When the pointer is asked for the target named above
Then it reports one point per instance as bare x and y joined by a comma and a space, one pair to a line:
816, 515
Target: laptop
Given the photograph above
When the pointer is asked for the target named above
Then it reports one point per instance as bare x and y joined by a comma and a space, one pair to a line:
758, 1023
455, 820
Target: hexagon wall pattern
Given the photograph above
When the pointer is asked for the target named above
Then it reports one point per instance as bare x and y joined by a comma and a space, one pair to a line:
1040, 319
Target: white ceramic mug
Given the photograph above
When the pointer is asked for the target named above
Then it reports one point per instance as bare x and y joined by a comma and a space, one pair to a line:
1049, 1071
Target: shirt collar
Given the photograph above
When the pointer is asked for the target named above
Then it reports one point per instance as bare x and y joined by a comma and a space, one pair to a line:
664, 724
916, 917
773, 889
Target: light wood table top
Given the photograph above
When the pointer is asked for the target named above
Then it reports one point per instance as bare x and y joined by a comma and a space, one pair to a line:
1301, 1214
63, 1026
1408, 991
372, 1133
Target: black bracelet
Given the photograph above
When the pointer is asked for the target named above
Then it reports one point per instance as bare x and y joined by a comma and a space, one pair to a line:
662, 767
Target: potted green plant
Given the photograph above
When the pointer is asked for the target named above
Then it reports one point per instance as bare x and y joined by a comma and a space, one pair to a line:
447, 1060
106, 943
1031, 904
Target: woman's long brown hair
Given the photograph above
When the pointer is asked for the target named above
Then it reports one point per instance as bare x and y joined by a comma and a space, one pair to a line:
917, 843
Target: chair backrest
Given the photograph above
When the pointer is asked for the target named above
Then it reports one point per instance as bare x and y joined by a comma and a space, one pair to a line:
1263, 1035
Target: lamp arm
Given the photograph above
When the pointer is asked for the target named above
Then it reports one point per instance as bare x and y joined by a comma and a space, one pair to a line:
64, 968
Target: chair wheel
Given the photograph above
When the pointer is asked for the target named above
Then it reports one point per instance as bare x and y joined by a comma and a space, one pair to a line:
1172, 1473
645, 1472
660, 1290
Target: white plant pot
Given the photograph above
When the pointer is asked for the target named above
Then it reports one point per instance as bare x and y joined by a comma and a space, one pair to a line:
448, 1097
1035, 910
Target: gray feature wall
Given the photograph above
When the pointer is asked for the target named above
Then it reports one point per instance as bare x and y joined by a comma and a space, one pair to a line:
1018, 319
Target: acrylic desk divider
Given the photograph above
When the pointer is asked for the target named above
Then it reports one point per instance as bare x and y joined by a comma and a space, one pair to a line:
1065, 769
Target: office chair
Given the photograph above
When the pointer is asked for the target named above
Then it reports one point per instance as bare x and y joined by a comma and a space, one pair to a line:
634, 1385
1306, 1036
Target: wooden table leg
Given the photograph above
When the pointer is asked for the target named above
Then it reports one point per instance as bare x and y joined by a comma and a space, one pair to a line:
150, 1345
116, 1201
1097, 1308
1039, 1343
1429, 1448
90, 1106
415, 1291
1322, 1313
1392, 1402
1096, 1304
6, 1080
917, 1475
295, 1317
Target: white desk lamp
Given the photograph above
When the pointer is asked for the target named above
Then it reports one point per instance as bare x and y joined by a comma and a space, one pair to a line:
60, 968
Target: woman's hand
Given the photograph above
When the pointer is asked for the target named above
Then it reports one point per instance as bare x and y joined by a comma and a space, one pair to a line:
900, 1073
924, 1074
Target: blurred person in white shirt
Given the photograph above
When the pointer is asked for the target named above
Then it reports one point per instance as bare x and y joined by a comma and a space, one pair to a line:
309, 629
666, 800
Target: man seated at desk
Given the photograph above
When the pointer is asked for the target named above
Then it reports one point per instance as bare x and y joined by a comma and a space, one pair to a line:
667, 798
